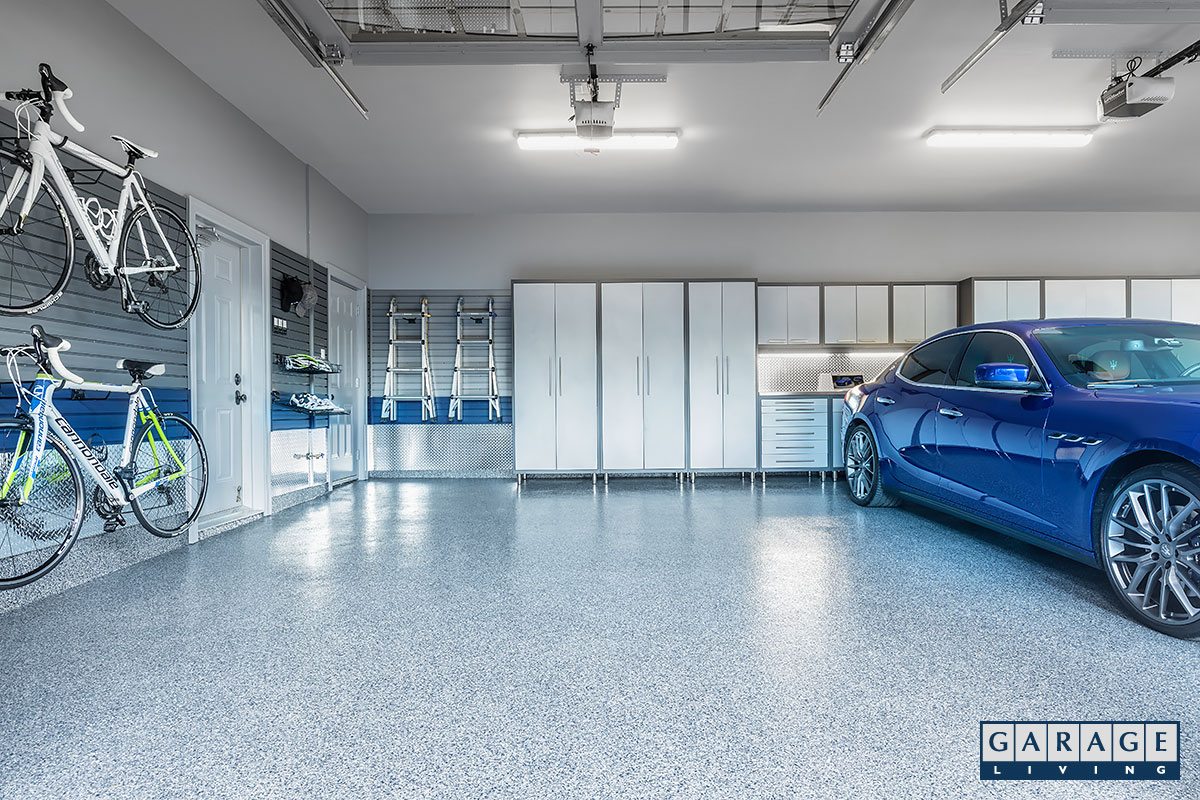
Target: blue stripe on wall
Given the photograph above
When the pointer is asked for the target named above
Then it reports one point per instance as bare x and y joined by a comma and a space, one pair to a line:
98, 413
409, 411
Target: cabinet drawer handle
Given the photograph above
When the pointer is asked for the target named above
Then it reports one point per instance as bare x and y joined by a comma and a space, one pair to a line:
799, 340
776, 341
868, 340
914, 340
847, 340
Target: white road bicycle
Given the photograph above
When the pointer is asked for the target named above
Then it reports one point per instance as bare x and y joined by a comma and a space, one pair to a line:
162, 473
146, 249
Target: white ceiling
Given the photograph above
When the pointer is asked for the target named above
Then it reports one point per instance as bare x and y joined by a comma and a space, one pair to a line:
440, 139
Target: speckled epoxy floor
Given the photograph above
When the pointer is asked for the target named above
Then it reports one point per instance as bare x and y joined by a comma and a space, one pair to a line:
456, 639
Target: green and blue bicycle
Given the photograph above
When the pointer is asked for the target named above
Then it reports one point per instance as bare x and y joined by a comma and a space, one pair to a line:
162, 473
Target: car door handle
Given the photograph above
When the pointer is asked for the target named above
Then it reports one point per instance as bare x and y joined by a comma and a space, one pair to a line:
885, 401
950, 412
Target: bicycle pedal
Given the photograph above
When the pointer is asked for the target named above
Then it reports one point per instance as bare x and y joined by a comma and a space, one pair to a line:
110, 525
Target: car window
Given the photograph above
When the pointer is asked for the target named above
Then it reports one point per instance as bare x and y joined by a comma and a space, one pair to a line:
990, 347
1142, 352
930, 363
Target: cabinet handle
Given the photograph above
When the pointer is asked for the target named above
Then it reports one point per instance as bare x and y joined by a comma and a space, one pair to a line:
776, 341
868, 340
847, 340
726, 374
560, 376
647, 376
797, 341
637, 375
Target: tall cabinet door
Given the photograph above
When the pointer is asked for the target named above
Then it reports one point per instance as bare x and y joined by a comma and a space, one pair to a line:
534, 376
908, 314
575, 346
663, 376
705, 373
622, 370
740, 412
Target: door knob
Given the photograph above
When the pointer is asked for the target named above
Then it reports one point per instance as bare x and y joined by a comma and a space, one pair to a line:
239, 398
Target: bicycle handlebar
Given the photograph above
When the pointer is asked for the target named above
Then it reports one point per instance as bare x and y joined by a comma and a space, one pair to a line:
52, 346
60, 104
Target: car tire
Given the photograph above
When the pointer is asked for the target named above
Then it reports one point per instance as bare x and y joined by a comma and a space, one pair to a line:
862, 470
1150, 558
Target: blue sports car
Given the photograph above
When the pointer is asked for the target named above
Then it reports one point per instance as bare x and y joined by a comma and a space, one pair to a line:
1079, 435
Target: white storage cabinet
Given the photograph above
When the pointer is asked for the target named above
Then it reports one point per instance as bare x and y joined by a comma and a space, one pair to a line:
642, 366
856, 314
789, 315
722, 377
554, 377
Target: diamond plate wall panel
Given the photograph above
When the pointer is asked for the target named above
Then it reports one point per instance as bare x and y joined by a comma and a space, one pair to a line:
798, 374
288, 472
465, 450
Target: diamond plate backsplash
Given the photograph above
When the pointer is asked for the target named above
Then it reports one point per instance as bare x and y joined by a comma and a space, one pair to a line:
798, 373
459, 450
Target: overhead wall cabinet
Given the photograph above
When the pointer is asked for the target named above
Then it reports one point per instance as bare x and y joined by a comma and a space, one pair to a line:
555, 377
856, 314
996, 300
1085, 298
1165, 298
643, 376
922, 310
723, 430
789, 315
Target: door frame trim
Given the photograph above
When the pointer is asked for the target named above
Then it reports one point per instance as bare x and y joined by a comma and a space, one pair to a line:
362, 398
256, 462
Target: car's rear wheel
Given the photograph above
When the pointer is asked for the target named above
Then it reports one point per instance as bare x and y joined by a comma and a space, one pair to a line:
862, 470
1148, 543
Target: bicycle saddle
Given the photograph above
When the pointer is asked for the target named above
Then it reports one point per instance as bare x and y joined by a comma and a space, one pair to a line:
139, 370
135, 150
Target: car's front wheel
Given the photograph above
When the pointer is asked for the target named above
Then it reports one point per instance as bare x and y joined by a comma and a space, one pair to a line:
862, 469
1148, 543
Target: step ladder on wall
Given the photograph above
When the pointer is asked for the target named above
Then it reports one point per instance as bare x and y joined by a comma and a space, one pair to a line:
396, 367
478, 316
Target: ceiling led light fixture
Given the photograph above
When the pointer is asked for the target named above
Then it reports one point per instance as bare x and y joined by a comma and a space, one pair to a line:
620, 140
1015, 138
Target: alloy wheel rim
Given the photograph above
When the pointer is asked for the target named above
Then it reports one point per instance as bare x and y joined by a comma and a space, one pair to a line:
1152, 550
860, 465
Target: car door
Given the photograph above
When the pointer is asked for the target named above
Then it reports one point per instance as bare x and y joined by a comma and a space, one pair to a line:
906, 412
989, 441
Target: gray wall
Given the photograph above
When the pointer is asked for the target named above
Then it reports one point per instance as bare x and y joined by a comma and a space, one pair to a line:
125, 83
486, 252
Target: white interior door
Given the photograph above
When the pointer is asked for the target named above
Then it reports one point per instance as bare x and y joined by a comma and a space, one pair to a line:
344, 386
533, 376
705, 373
219, 416
621, 370
575, 351
739, 421
663, 371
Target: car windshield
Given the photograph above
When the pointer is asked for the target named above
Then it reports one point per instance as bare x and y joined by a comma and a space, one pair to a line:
1143, 354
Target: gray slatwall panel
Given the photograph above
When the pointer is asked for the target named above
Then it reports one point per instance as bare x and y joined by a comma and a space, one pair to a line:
441, 340
99, 331
285, 262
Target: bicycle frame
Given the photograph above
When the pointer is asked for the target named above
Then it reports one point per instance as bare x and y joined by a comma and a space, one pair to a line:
47, 418
103, 235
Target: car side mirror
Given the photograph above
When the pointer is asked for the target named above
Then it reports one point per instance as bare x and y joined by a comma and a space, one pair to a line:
1001, 375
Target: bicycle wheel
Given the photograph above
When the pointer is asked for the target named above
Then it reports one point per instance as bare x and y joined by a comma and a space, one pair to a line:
36, 535
169, 456
35, 264
169, 298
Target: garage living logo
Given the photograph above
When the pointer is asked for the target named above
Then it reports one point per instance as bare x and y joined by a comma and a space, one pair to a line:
1066, 751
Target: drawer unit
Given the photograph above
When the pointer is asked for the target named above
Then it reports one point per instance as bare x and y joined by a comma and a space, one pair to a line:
795, 433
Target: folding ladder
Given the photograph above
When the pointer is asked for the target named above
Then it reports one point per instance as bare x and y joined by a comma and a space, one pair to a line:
395, 369
456, 391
